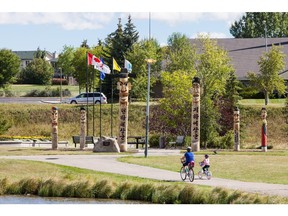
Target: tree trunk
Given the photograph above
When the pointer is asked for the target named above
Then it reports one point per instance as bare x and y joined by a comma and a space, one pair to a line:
266, 98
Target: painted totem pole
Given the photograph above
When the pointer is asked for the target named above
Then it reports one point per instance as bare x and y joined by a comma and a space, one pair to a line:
82, 127
195, 121
264, 130
236, 129
123, 86
54, 133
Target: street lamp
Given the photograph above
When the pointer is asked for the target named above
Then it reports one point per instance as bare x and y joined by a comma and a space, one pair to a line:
149, 62
60, 84
265, 29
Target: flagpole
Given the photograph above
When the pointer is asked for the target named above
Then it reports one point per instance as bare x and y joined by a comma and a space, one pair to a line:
87, 93
111, 121
93, 102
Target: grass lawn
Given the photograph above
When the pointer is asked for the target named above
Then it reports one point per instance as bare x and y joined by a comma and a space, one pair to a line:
261, 102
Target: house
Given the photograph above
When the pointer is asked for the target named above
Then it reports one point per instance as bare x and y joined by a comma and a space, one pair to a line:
27, 56
245, 53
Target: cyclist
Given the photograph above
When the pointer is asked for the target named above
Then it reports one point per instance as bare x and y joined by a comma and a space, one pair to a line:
205, 163
188, 157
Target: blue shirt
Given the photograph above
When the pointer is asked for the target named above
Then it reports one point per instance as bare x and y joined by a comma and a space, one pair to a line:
189, 157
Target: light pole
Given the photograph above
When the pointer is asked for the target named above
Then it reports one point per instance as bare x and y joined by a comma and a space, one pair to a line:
149, 62
265, 29
60, 84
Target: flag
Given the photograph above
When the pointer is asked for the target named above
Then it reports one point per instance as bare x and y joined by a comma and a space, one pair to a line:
93, 60
102, 74
116, 66
89, 58
128, 65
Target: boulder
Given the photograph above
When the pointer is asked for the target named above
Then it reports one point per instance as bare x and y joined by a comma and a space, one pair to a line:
106, 144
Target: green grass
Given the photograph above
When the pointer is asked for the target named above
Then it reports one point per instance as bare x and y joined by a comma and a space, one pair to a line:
261, 102
267, 167
20, 90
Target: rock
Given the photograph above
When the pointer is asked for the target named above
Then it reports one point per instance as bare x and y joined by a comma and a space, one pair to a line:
106, 144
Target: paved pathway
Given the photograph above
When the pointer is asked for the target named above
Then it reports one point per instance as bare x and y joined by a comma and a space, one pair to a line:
108, 163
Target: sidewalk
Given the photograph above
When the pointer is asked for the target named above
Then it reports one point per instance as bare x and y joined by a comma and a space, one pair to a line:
109, 163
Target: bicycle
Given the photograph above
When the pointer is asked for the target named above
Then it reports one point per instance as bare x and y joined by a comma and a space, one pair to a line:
206, 173
187, 171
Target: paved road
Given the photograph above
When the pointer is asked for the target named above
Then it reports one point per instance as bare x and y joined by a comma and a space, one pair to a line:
108, 163
29, 100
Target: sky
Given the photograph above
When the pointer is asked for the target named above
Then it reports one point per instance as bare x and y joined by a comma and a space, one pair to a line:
27, 25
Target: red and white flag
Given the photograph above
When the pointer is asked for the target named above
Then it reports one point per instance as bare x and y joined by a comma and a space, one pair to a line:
98, 64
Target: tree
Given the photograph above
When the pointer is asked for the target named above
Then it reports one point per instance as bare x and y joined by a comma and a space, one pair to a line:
180, 55
65, 60
130, 34
253, 24
9, 67
145, 49
213, 68
271, 63
38, 71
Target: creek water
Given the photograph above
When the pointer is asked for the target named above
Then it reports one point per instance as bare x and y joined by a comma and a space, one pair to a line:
60, 200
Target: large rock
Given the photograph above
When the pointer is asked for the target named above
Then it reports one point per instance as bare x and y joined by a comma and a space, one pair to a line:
106, 144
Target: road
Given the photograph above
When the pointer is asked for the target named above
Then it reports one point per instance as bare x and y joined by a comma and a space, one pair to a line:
109, 163
29, 100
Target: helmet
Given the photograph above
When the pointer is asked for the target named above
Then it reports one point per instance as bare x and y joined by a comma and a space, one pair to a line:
206, 156
188, 148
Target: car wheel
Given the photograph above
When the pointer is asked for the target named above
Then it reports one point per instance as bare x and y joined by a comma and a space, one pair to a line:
73, 102
97, 102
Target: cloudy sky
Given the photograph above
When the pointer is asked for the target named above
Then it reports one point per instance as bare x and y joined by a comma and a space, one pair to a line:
26, 25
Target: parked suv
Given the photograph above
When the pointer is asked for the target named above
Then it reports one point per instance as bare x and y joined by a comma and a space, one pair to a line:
82, 98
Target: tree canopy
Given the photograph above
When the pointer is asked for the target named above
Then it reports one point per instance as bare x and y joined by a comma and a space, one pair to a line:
254, 25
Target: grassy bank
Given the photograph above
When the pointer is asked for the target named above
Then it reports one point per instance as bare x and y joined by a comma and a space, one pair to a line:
35, 120
82, 183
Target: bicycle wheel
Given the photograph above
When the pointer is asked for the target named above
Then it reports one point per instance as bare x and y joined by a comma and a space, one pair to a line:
183, 173
209, 175
191, 175
200, 174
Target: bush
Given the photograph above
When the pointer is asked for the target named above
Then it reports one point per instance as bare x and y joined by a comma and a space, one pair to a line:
48, 92
154, 141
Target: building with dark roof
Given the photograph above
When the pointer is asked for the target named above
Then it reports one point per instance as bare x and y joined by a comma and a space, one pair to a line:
245, 53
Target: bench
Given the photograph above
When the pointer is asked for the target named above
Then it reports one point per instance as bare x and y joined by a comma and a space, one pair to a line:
179, 142
40, 143
89, 140
136, 140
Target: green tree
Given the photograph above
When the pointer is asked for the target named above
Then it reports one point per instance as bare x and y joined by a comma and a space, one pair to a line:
38, 71
65, 60
271, 63
145, 49
130, 35
252, 25
180, 54
9, 67
213, 69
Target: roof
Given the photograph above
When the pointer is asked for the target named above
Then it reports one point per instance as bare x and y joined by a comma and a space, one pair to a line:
29, 55
245, 53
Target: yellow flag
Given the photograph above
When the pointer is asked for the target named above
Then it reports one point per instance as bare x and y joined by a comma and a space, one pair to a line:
116, 66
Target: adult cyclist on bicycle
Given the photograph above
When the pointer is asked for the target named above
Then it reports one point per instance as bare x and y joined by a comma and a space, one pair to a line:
188, 157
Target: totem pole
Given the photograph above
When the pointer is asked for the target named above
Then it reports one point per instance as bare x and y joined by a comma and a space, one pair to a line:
195, 121
236, 129
82, 127
123, 86
264, 130
54, 133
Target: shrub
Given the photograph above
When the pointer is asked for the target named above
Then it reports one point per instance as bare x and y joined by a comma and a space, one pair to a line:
154, 141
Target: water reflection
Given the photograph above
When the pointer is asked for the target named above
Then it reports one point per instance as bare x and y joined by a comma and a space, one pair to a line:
60, 200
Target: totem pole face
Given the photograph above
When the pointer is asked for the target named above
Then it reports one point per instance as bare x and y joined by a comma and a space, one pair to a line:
82, 116
263, 114
236, 117
54, 116
196, 92
124, 86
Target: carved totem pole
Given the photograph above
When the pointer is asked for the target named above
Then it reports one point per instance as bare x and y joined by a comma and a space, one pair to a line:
54, 133
123, 86
195, 121
264, 129
82, 127
236, 129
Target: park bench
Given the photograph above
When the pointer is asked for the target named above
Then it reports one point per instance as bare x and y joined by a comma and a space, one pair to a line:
89, 140
136, 140
178, 142
47, 143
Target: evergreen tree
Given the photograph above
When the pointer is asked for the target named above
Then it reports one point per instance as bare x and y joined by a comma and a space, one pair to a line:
130, 34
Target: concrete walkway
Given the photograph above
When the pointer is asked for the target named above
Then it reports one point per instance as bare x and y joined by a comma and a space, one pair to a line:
109, 163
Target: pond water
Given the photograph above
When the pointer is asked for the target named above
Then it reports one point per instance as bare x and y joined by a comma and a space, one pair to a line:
60, 200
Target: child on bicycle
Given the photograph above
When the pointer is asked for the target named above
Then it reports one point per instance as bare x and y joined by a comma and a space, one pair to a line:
188, 157
205, 164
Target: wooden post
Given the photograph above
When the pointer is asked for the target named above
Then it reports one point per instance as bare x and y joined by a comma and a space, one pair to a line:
264, 130
123, 86
54, 133
195, 118
237, 129
82, 127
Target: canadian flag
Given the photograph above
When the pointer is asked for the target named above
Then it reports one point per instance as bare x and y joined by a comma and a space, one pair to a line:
98, 64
